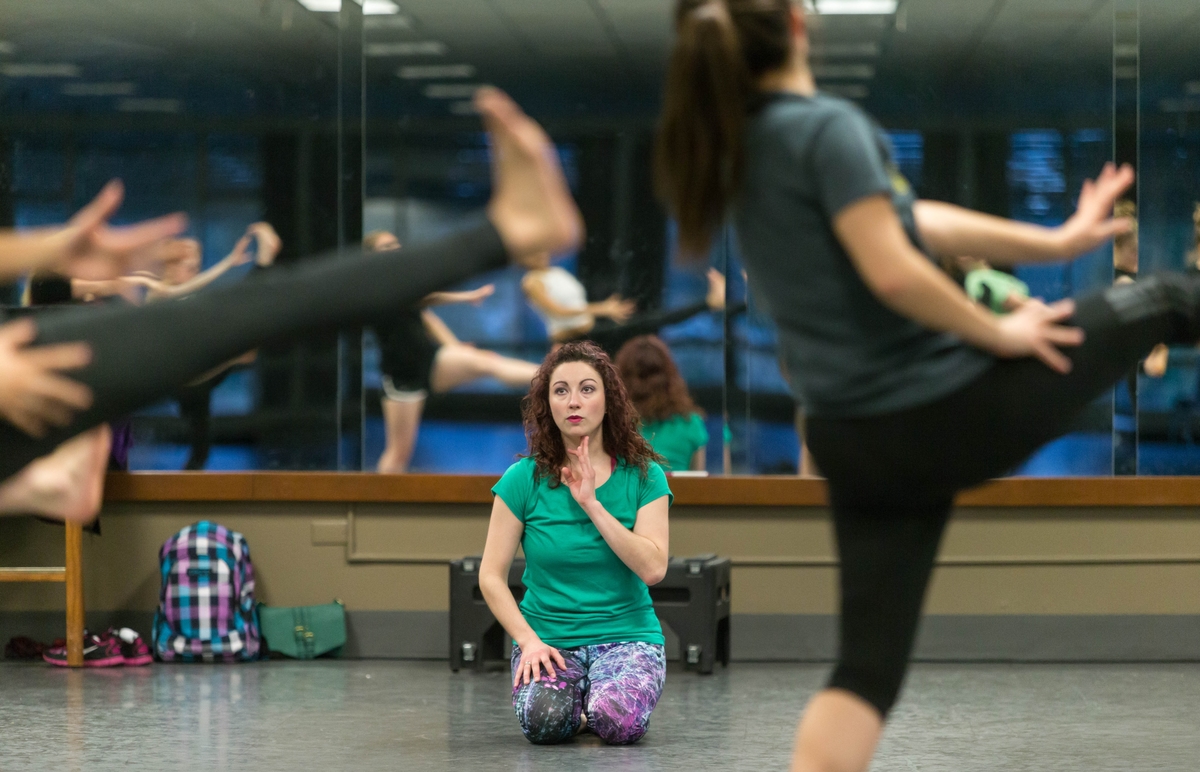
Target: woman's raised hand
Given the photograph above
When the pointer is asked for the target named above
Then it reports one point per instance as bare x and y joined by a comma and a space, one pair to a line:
534, 658
579, 475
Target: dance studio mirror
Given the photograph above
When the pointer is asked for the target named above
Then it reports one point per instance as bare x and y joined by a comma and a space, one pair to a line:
336, 121
227, 111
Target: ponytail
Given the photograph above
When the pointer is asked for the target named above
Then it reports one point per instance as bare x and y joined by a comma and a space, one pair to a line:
699, 151
721, 48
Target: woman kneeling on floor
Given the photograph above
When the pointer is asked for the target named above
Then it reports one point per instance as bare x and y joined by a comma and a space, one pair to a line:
589, 507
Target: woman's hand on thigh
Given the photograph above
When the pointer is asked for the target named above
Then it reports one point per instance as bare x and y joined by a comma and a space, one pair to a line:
534, 657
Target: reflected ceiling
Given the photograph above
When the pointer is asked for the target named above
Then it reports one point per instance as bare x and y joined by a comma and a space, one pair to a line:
565, 58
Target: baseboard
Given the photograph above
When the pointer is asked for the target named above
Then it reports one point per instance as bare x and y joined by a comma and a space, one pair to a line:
770, 637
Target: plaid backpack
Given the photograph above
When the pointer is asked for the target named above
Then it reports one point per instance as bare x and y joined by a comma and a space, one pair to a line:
206, 610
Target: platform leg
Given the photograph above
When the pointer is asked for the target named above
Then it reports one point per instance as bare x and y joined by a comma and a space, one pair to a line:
74, 580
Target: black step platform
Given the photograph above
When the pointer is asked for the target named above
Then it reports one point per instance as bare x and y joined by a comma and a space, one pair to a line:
693, 600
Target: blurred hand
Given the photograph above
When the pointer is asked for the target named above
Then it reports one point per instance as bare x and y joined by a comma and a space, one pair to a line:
241, 250
33, 396
477, 296
1092, 224
1156, 363
617, 309
1035, 329
269, 242
87, 247
534, 657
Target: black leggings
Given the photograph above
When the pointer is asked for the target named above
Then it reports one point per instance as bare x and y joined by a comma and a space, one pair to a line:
610, 335
140, 355
893, 478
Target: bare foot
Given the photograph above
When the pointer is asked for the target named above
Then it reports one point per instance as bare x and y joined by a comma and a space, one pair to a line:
531, 205
716, 290
67, 485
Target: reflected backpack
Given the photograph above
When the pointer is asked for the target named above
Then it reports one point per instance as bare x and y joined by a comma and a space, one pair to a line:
206, 609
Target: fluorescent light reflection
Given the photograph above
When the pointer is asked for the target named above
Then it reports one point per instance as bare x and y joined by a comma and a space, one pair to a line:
417, 48
116, 88
370, 7
40, 70
435, 71
451, 90
856, 7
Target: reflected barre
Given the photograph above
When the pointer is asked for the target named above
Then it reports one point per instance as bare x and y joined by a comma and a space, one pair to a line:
731, 491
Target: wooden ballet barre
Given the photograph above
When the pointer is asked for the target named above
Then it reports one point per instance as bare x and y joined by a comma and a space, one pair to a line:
735, 491
72, 576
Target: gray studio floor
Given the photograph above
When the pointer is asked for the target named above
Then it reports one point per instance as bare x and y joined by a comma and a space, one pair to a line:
370, 715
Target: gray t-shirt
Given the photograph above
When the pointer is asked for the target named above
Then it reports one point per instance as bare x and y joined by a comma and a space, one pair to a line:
846, 354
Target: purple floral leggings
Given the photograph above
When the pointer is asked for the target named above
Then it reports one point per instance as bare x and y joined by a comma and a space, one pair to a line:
616, 685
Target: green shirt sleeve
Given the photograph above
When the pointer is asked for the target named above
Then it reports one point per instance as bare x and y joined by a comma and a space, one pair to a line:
515, 488
654, 487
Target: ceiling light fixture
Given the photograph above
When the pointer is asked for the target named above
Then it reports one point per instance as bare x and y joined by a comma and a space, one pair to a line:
831, 50
379, 8
844, 71
369, 7
435, 71
40, 70
322, 6
115, 88
150, 105
856, 7
418, 48
463, 108
847, 90
451, 90
387, 22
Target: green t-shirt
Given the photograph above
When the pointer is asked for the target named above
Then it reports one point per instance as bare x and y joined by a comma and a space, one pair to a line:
993, 288
577, 591
677, 439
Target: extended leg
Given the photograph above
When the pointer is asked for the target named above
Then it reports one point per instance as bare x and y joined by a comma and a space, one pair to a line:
142, 354
66, 484
458, 363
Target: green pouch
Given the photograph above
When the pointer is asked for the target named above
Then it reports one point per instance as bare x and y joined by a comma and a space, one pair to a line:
304, 632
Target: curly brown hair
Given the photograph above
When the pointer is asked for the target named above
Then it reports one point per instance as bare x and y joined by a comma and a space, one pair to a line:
653, 381
620, 426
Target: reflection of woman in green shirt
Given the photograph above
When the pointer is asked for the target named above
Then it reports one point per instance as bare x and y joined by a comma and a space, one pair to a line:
671, 422
589, 508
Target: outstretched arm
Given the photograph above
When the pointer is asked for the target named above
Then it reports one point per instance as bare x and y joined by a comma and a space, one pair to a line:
613, 307
235, 258
908, 283
87, 247
952, 230
475, 296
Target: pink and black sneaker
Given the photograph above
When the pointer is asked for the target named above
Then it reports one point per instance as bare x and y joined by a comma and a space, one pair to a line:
133, 647
98, 651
